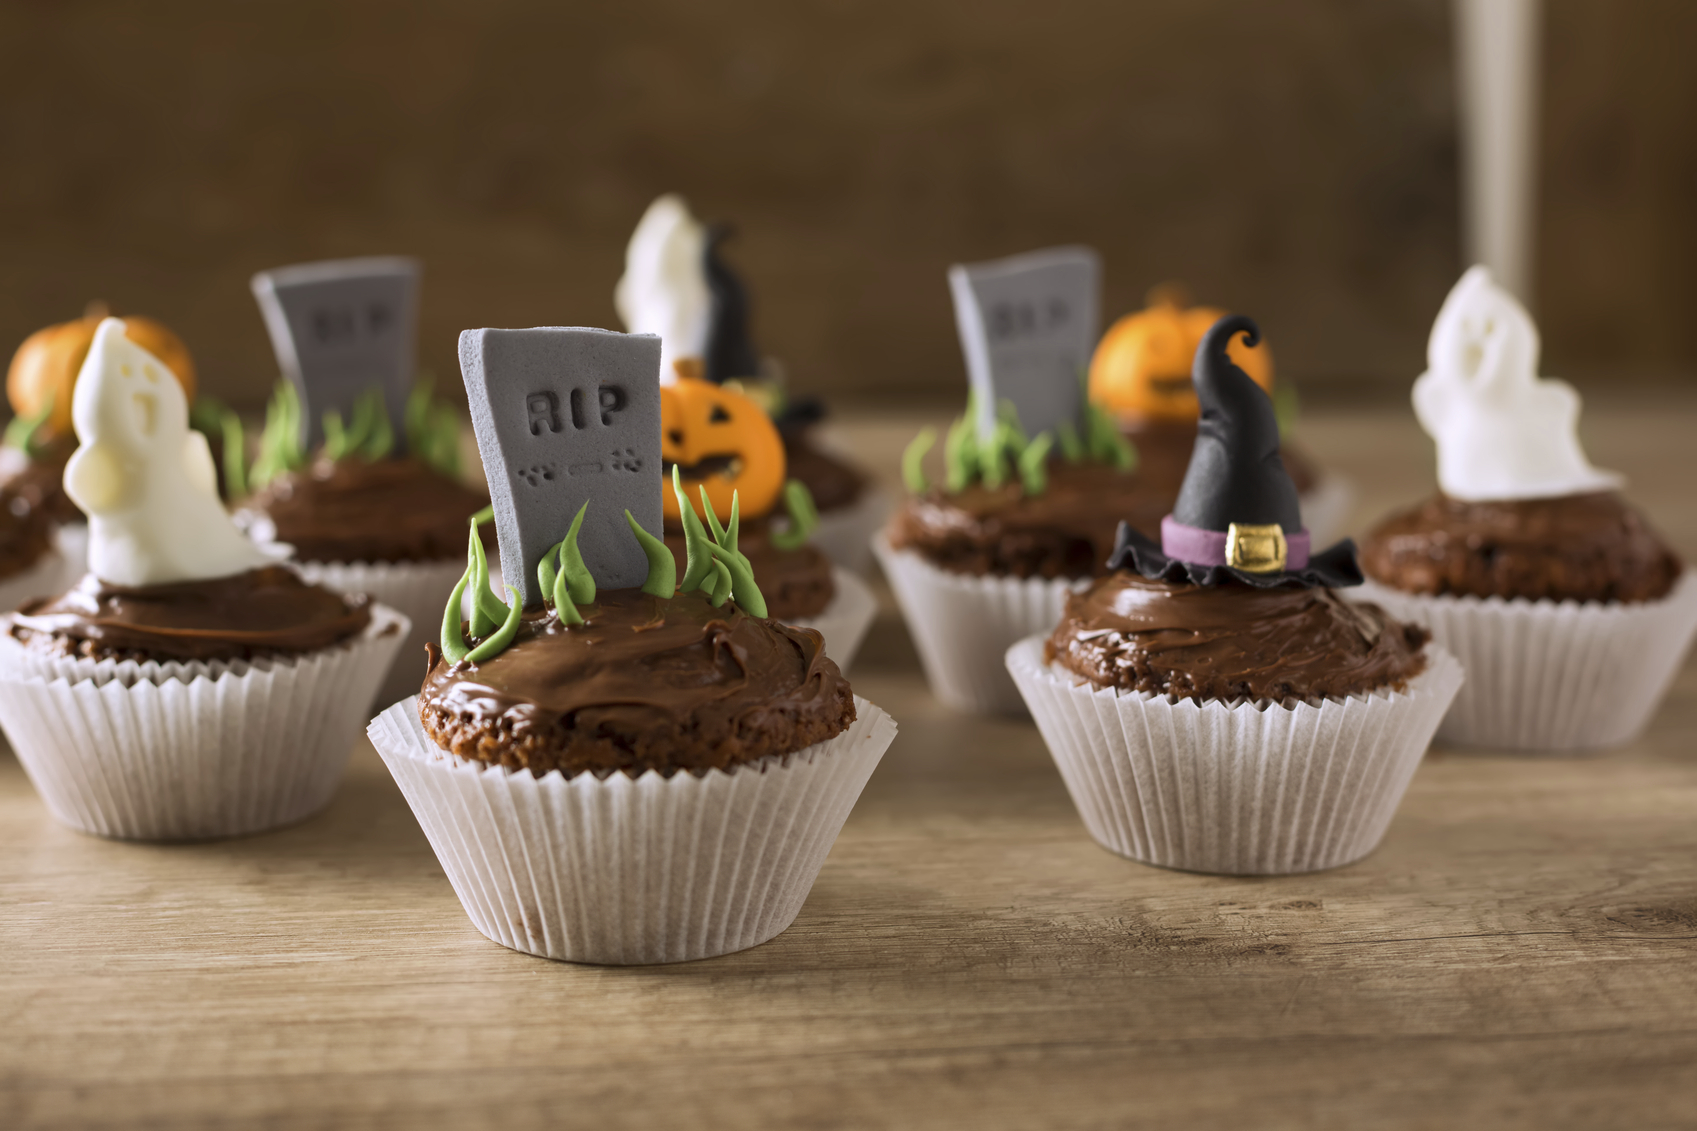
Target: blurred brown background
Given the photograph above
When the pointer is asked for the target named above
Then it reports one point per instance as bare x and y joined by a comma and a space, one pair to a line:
1296, 161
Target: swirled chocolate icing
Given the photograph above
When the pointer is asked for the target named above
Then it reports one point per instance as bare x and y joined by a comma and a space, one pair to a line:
833, 483
40, 480
1592, 547
263, 612
26, 533
390, 510
1231, 641
797, 584
1067, 531
645, 683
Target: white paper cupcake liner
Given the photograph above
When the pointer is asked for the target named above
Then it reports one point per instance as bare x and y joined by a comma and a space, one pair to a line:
626, 872
46, 578
1326, 509
418, 589
190, 751
845, 535
1239, 789
1543, 675
843, 623
962, 625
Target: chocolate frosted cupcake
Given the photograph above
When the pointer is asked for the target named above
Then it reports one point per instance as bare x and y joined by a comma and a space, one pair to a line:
187, 687
1140, 375
721, 445
988, 556
678, 285
30, 563
1569, 612
619, 773
1211, 702
362, 518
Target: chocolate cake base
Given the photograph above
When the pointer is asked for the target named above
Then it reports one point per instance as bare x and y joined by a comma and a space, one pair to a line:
1232, 641
390, 510
1592, 547
261, 613
645, 683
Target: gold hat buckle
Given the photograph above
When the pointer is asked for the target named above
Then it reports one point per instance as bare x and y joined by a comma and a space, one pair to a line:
1256, 548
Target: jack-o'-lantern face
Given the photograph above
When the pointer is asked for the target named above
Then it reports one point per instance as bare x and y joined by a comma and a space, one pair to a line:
722, 440
1141, 368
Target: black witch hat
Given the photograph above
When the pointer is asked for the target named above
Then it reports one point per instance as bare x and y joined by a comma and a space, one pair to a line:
1237, 516
730, 348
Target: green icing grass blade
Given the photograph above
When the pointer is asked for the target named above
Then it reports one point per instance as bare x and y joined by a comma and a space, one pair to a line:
503, 637
662, 579
1034, 464
453, 632
913, 461
579, 582
235, 453
804, 516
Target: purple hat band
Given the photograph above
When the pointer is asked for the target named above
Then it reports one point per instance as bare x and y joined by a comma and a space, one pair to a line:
1208, 547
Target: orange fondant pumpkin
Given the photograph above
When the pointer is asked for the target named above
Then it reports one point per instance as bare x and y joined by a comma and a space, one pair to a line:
722, 439
1141, 368
46, 365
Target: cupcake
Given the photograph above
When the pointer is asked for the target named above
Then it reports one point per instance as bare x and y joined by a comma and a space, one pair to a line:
1211, 702
677, 285
188, 687
1140, 375
38, 442
723, 447
362, 518
988, 554
1569, 612
620, 773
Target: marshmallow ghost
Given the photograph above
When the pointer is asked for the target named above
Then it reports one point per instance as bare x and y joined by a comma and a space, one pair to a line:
144, 478
664, 290
1502, 432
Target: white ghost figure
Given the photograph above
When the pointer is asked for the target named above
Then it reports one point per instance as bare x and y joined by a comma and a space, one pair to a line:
1502, 431
664, 288
144, 478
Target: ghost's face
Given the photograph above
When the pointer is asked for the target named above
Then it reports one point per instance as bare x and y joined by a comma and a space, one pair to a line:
1484, 339
126, 399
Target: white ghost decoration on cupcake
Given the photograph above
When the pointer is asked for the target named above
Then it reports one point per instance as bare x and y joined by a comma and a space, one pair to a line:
1502, 431
664, 289
143, 477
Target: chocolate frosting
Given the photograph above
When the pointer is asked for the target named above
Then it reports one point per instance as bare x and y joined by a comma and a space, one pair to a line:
26, 533
645, 683
1067, 531
1592, 547
1230, 641
40, 480
392, 510
797, 584
833, 484
263, 612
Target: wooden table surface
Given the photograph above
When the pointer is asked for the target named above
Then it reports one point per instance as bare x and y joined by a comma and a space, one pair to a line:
1520, 952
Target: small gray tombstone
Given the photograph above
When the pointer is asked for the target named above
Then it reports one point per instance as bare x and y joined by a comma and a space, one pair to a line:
565, 414
341, 327
1027, 326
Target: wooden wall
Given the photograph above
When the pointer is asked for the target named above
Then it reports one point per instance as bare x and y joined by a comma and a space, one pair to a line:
1295, 161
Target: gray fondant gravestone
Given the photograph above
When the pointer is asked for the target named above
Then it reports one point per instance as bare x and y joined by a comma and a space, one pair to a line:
341, 327
1027, 326
565, 414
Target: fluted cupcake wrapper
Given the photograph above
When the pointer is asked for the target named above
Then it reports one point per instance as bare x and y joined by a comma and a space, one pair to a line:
845, 535
1236, 789
963, 625
843, 623
191, 751
1326, 509
418, 589
46, 578
627, 872
1543, 675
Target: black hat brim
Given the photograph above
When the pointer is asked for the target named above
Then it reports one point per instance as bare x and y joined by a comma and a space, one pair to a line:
1335, 567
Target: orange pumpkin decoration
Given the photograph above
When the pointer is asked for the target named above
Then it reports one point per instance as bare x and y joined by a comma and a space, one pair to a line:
46, 365
1141, 368
721, 439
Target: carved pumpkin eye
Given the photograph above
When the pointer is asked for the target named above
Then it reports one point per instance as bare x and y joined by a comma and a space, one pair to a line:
720, 439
